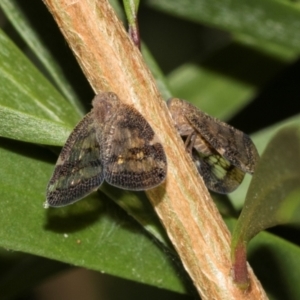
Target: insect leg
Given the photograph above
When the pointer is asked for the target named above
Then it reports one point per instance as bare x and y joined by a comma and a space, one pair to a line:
190, 142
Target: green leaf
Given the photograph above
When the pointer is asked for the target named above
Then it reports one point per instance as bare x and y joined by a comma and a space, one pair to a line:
93, 233
28, 128
24, 88
31, 109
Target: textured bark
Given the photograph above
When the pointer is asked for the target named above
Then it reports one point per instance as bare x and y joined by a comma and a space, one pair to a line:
111, 62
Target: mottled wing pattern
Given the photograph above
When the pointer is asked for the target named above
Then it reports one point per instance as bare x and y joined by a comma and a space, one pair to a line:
79, 169
219, 174
134, 159
232, 144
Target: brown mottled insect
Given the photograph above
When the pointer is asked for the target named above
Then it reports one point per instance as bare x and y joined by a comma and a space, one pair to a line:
221, 153
114, 143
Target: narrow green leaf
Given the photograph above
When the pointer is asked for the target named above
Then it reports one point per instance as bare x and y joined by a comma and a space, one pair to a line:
28, 100
23, 127
24, 88
31, 38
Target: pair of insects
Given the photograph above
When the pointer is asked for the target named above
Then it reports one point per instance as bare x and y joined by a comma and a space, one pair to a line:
115, 143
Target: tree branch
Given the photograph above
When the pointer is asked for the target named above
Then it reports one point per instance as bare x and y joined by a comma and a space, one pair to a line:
111, 62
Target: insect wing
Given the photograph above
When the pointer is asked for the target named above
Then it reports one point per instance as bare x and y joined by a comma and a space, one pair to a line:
79, 169
218, 173
232, 144
134, 159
